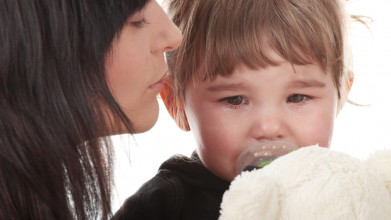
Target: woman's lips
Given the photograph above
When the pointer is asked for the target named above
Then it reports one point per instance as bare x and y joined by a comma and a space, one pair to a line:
158, 86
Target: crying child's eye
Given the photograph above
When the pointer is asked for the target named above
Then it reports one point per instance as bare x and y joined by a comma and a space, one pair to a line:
296, 98
235, 100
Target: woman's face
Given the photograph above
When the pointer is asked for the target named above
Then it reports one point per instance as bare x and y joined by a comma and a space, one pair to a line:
136, 66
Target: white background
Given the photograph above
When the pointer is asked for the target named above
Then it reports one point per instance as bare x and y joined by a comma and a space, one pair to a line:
358, 130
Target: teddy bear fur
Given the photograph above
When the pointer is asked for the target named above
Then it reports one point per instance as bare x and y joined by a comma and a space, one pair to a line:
313, 183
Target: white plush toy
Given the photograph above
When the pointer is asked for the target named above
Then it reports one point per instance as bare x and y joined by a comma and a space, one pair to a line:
313, 183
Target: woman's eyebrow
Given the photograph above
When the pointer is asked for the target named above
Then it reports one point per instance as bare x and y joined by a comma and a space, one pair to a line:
306, 84
227, 87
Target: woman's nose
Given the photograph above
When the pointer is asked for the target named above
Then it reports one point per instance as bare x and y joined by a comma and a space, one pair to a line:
268, 124
173, 36
169, 36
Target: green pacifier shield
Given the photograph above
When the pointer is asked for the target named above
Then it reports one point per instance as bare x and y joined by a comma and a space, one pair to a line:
262, 154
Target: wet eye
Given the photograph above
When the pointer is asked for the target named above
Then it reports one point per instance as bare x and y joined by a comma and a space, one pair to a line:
235, 100
297, 98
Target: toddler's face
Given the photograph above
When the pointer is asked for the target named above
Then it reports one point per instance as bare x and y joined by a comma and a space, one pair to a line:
228, 114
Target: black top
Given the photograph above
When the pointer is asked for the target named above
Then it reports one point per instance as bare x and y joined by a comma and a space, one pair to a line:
182, 189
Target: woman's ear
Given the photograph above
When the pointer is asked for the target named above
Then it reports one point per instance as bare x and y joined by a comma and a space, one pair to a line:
174, 106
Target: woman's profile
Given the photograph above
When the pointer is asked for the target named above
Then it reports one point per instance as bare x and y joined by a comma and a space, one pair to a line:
72, 73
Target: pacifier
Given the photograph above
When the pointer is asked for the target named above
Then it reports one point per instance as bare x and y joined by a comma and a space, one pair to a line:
262, 154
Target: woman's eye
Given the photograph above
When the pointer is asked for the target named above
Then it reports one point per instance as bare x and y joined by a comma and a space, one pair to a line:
297, 98
140, 23
235, 100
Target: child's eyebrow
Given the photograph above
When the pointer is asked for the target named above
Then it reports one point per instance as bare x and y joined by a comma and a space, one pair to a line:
306, 84
227, 87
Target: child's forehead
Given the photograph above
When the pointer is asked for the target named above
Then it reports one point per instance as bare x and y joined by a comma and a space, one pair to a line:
288, 70
271, 58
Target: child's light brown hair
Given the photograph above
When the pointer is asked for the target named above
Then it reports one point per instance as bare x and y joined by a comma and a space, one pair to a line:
218, 35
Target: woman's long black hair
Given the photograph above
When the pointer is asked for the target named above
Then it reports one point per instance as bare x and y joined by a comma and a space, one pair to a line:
53, 104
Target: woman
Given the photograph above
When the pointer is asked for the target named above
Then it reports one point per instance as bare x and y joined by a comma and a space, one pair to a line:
73, 71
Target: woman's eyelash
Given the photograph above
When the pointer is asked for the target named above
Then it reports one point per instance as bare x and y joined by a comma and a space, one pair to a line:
139, 23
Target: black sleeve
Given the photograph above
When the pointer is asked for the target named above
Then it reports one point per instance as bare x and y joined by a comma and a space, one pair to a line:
159, 198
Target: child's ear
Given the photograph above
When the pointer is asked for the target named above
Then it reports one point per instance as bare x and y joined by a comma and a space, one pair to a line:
175, 106
348, 86
349, 82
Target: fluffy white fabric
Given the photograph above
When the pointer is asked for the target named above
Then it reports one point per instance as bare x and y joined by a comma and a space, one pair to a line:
313, 183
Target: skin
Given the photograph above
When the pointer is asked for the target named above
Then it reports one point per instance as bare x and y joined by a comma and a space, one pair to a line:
297, 104
136, 66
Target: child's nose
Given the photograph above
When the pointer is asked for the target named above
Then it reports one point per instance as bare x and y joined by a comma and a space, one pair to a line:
268, 125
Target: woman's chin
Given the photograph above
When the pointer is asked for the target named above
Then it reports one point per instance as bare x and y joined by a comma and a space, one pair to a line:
146, 121
142, 118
